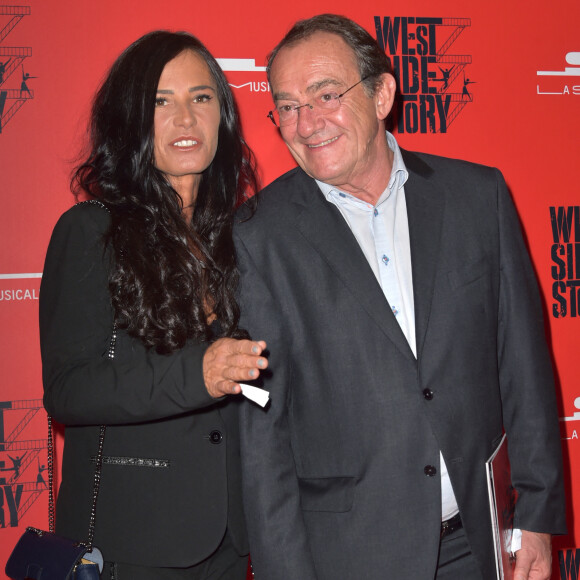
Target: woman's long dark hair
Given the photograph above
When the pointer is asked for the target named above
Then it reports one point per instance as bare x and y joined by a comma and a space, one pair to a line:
166, 274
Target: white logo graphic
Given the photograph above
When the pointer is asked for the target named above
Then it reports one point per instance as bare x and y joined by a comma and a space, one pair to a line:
574, 417
572, 58
241, 64
570, 71
19, 276
247, 65
19, 294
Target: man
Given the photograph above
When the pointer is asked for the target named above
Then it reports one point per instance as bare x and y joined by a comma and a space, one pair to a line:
405, 333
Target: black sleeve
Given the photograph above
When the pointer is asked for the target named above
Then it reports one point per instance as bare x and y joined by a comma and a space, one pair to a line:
82, 385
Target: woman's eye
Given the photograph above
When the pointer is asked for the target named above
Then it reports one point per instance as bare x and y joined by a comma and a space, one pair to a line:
202, 98
160, 101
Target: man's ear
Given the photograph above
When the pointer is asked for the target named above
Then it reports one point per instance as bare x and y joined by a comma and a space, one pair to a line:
385, 95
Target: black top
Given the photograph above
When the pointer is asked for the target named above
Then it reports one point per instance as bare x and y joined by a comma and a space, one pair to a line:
171, 480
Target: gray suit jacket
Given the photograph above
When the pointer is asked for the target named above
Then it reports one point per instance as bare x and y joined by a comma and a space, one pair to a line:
338, 471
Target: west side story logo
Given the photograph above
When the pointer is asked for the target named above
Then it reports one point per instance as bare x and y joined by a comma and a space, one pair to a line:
23, 462
565, 255
569, 561
12, 66
561, 82
434, 84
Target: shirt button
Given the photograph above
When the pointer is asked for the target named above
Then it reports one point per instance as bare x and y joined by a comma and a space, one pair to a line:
216, 437
430, 470
428, 394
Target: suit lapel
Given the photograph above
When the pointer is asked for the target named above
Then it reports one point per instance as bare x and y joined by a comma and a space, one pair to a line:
321, 223
425, 207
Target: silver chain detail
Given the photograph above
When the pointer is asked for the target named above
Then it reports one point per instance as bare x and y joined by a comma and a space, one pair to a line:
98, 462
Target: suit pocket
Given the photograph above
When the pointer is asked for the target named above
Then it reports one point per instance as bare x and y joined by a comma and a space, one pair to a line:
327, 494
468, 273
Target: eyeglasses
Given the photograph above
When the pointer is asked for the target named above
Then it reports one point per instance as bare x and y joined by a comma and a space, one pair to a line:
325, 102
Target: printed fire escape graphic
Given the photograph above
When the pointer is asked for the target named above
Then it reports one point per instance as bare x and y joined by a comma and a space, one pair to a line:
433, 82
11, 61
23, 462
451, 66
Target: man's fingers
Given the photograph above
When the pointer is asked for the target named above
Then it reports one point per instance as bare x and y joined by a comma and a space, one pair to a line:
522, 569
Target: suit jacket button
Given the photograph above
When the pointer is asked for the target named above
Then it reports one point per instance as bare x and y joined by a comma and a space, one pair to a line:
430, 470
216, 437
428, 394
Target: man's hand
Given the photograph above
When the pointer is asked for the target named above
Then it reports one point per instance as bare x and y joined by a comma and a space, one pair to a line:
228, 361
534, 560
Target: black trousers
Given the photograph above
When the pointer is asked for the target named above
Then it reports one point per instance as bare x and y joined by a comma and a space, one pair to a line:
224, 564
456, 562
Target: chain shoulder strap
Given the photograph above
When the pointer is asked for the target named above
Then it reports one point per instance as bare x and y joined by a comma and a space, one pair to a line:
98, 466
96, 483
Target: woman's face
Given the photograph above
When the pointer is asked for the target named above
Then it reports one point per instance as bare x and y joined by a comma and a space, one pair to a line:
187, 117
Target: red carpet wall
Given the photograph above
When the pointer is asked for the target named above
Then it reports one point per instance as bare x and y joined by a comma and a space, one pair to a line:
494, 82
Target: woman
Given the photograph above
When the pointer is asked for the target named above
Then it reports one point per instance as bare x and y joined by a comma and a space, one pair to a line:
138, 319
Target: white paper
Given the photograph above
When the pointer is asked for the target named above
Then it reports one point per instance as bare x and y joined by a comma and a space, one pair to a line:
255, 394
516, 540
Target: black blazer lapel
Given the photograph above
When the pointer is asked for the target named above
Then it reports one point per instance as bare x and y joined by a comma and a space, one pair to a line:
425, 206
321, 223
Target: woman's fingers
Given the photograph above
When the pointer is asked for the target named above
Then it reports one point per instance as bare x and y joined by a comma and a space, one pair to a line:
229, 361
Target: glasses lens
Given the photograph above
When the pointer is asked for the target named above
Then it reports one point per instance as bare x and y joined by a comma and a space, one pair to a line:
286, 116
280, 120
327, 102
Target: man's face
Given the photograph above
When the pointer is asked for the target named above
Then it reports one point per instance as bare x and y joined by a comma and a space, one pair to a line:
347, 146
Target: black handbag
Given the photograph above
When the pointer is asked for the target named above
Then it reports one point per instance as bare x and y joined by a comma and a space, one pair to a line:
41, 555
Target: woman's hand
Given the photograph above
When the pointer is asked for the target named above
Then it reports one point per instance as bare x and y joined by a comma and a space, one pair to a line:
228, 361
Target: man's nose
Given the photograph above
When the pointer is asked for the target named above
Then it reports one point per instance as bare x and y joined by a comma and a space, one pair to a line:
309, 119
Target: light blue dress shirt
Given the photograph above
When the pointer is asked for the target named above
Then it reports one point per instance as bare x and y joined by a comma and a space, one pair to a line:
382, 231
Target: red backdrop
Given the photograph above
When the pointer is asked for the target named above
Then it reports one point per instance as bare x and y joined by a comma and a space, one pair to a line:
511, 100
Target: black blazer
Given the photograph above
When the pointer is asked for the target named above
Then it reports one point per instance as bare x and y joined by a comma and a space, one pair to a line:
170, 483
341, 472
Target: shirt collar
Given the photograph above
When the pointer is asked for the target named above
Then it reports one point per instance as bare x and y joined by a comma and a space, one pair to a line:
399, 173
399, 176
